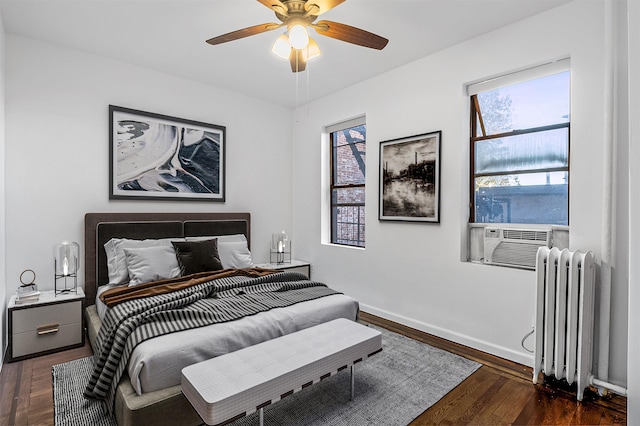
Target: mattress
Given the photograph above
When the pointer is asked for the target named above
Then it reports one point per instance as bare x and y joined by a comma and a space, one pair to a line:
157, 363
101, 307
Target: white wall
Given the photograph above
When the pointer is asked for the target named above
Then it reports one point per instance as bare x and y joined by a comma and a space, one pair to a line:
620, 125
412, 273
633, 399
57, 149
3, 292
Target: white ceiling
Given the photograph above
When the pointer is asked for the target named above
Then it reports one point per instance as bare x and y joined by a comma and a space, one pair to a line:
169, 36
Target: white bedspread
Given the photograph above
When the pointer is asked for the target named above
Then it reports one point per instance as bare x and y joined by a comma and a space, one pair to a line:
157, 363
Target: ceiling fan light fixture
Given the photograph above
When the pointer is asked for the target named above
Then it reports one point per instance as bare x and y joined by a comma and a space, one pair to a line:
281, 47
298, 36
311, 51
297, 16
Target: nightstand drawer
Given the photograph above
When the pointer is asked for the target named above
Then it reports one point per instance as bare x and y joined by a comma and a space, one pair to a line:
47, 338
49, 324
25, 320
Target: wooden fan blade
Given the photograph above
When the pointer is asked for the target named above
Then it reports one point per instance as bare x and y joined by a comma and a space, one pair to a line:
297, 60
316, 7
275, 5
245, 32
350, 34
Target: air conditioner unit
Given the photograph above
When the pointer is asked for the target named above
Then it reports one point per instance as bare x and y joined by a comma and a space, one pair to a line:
514, 246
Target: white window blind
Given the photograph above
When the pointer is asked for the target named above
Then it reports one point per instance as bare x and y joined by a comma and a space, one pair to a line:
347, 124
519, 76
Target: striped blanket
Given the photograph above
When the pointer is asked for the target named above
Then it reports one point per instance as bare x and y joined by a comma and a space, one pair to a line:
215, 301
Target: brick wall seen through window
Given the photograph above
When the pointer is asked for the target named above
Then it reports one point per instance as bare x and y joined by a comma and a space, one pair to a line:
348, 158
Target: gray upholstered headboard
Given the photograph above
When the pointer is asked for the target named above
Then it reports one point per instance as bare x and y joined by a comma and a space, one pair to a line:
101, 227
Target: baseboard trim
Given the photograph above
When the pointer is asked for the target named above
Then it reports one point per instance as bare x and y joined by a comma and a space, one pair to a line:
506, 366
480, 345
503, 366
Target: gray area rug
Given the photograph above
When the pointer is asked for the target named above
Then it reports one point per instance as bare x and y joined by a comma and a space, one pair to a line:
70, 407
391, 388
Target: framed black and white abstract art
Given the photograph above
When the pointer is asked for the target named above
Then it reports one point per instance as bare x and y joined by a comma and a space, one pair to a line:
158, 157
410, 178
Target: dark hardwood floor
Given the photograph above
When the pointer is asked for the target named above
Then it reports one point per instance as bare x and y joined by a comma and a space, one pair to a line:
499, 392
26, 391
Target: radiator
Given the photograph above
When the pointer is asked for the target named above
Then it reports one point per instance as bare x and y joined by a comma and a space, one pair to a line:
564, 316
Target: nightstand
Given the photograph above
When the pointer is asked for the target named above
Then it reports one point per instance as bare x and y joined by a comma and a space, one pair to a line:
294, 266
50, 324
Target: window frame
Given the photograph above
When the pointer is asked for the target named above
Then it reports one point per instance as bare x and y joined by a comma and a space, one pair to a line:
333, 130
477, 124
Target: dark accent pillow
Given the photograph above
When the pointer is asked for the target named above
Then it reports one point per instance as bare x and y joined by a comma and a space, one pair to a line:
197, 256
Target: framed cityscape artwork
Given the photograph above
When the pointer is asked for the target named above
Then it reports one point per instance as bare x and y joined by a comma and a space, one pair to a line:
410, 178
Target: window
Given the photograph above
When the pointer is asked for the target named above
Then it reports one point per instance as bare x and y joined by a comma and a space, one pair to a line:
348, 158
520, 147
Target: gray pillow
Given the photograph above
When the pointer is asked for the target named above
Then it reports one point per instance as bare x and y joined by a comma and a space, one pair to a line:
151, 264
117, 261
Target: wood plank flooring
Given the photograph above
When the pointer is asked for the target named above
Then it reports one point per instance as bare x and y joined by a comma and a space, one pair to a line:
501, 393
498, 393
26, 389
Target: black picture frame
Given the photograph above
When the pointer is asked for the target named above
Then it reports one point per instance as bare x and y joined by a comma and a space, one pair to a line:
410, 179
159, 157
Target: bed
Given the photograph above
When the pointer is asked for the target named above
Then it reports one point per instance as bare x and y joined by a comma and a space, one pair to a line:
149, 391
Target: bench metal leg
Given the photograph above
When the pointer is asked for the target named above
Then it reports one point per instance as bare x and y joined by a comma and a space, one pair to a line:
353, 381
353, 389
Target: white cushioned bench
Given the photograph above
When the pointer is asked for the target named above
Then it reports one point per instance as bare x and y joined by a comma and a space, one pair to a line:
231, 386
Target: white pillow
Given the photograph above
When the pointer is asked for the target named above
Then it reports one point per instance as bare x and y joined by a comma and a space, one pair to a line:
151, 264
232, 249
116, 260
234, 254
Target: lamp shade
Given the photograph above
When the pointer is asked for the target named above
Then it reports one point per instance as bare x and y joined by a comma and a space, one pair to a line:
280, 242
281, 47
65, 257
311, 51
298, 36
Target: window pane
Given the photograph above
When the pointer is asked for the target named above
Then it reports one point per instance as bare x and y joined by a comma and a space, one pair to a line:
541, 198
349, 156
349, 225
348, 196
530, 151
534, 103
347, 214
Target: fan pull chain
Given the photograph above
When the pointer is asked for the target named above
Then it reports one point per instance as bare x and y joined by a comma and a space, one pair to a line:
308, 85
297, 90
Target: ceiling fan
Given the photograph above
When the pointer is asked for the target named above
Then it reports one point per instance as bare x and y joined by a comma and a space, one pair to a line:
295, 44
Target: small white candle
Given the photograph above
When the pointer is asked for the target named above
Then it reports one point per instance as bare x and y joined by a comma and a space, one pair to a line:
65, 266
280, 247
